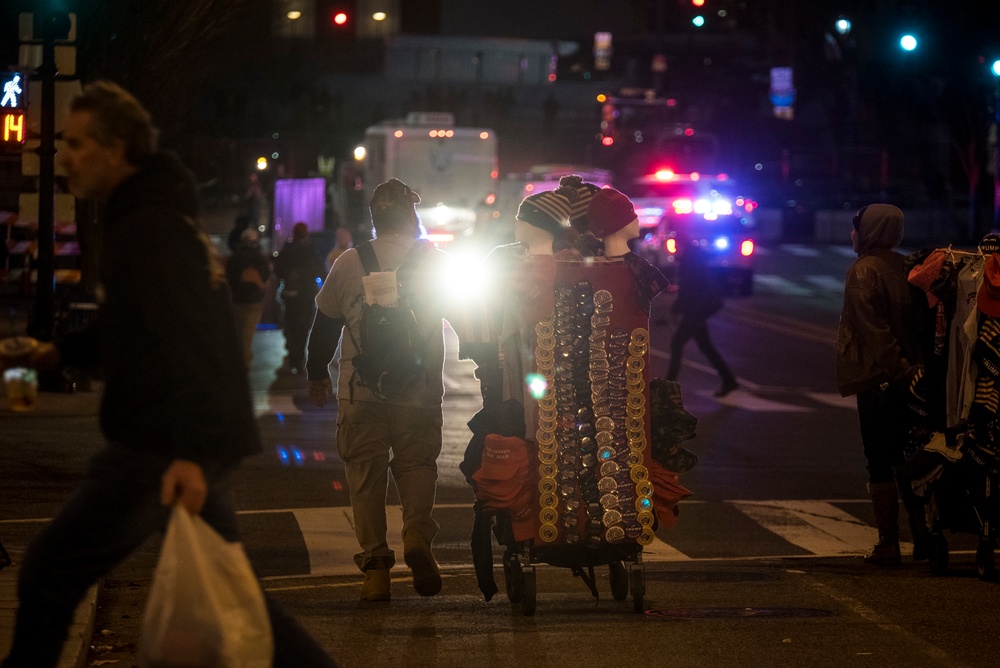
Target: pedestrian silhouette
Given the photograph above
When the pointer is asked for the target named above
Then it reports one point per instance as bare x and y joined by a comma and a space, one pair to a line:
700, 296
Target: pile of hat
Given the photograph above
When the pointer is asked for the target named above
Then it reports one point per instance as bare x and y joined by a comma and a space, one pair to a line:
504, 482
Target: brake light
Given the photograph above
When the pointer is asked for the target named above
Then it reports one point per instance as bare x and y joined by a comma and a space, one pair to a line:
608, 141
682, 206
746, 248
671, 245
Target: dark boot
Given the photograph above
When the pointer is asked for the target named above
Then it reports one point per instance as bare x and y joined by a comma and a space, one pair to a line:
885, 501
916, 511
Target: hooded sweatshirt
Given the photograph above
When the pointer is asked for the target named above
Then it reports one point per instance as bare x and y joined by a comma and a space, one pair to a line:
165, 335
874, 342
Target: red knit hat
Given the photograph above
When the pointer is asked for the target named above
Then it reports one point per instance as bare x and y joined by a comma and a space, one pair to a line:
609, 211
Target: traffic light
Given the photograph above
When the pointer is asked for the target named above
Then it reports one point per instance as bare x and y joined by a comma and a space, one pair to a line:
908, 42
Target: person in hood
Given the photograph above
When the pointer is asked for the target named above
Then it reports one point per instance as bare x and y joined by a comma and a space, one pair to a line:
877, 357
176, 409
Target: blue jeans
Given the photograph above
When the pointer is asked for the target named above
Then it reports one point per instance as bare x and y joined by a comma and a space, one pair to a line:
114, 511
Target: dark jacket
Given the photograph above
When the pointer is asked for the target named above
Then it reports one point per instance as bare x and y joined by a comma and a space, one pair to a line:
174, 376
298, 266
875, 342
700, 293
246, 258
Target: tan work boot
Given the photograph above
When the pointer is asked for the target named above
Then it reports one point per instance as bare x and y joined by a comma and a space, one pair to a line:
885, 553
376, 585
418, 556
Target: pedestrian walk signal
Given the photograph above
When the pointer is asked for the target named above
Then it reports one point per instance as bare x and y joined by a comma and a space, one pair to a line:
13, 127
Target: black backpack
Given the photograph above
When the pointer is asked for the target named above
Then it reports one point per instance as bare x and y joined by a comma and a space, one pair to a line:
390, 360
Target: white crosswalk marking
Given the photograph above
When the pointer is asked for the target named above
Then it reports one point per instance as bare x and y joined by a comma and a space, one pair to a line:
816, 526
800, 250
826, 282
846, 251
781, 285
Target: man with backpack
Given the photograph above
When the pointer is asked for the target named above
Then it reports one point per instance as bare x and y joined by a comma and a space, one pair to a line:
383, 296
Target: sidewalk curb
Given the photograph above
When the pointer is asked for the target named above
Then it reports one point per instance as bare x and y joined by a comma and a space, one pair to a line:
77, 647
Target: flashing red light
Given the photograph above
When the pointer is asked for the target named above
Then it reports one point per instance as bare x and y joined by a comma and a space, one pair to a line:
664, 175
340, 18
695, 176
688, 132
491, 198
495, 174
552, 77
608, 141
722, 177
746, 248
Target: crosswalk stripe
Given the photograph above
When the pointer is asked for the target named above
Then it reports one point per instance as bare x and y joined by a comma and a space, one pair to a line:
781, 285
826, 282
799, 250
816, 526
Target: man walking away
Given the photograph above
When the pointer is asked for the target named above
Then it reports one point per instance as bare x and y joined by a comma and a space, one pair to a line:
375, 435
301, 272
176, 408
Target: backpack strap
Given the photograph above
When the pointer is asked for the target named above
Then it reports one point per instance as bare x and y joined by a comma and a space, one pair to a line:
368, 259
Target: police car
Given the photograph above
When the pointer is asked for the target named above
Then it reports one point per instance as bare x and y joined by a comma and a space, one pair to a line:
706, 209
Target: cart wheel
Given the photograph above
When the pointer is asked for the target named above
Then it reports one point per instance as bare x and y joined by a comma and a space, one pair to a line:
986, 560
529, 598
638, 577
619, 580
514, 577
939, 555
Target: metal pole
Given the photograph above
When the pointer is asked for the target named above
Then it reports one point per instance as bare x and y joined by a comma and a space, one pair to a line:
45, 285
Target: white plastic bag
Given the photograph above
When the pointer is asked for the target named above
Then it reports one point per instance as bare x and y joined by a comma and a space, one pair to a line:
205, 606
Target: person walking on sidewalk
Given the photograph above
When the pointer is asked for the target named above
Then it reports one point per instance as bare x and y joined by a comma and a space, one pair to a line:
699, 297
176, 409
247, 271
301, 272
376, 436
877, 358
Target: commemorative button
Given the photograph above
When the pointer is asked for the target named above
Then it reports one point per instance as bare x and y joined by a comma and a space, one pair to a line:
544, 329
643, 503
606, 453
614, 534
645, 537
548, 532
598, 353
607, 484
634, 460
611, 516
637, 445
598, 364
602, 297
547, 486
644, 488
547, 413
571, 536
633, 376
548, 500
604, 438
635, 363
599, 321
634, 411
636, 401
547, 470
639, 473
646, 519
547, 343
597, 375
634, 423
547, 456
548, 515
635, 434
548, 447
604, 423
602, 408
610, 468
570, 520
597, 337
638, 349
609, 501
637, 387
545, 437
633, 532
547, 403
640, 335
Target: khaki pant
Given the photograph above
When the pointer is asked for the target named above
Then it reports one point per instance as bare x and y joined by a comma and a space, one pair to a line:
374, 438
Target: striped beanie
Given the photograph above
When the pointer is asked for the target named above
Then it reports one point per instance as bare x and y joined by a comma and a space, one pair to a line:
579, 194
547, 210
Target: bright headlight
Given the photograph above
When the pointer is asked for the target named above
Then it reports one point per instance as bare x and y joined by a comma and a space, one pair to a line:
466, 277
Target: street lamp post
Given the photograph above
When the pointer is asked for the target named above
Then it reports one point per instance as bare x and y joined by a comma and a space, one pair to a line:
995, 70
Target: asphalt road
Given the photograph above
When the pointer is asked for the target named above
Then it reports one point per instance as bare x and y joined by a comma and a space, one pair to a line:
763, 567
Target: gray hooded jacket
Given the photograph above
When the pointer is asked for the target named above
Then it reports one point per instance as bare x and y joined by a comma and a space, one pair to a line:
875, 343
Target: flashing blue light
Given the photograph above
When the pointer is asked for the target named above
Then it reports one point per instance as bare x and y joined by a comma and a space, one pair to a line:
721, 243
299, 459
908, 42
319, 281
995, 69
698, 21
280, 416
843, 26
282, 454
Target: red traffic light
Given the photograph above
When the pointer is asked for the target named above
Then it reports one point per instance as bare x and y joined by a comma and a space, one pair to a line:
339, 19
